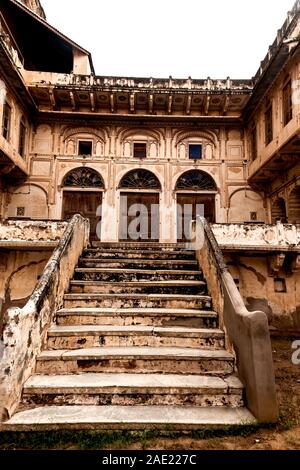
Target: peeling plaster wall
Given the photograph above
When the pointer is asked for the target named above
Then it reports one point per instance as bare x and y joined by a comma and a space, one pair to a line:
19, 273
257, 235
20, 268
257, 287
31, 231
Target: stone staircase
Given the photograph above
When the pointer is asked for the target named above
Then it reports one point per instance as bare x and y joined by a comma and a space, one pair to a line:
136, 346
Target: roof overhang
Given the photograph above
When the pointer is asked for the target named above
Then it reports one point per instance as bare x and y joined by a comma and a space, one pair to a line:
52, 52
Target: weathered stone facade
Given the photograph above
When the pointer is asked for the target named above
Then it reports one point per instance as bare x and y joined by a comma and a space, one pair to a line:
70, 138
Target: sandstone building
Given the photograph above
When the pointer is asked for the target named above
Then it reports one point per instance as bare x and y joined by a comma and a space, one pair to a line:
75, 142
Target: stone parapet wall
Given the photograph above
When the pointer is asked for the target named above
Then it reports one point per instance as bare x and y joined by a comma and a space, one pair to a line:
31, 231
26, 329
260, 236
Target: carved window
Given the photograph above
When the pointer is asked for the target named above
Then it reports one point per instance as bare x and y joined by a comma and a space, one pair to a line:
254, 143
22, 136
139, 150
85, 147
6, 122
140, 179
195, 151
287, 105
294, 206
269, 123
83, 178
278, 211
196, 180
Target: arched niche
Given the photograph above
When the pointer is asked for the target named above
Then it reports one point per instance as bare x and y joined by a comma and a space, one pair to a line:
246, 206
294, 206
28, 201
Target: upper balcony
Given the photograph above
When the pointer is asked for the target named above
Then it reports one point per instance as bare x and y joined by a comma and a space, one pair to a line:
11, 163
142, 96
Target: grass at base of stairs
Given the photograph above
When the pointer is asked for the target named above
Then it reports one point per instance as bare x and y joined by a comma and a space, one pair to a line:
92, 440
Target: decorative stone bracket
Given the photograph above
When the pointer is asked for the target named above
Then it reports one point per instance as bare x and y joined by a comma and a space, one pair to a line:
296, 264
275, 263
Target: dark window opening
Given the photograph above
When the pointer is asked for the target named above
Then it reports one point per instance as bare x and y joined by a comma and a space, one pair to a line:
139, 150
20, 211
22, 135
6, 121
85, 147
280, 285
287, 104
269, 124
254, 143
253, 216
195, 152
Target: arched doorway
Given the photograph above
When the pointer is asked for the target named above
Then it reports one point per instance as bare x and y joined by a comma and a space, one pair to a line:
294, 206
139, 206
82, 194
195, 191
278, 211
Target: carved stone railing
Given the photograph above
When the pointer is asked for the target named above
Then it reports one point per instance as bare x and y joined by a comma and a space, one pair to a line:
25, 332
247, 333
137, 83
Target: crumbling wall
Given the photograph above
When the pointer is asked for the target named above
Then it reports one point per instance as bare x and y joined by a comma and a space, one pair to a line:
19, 273
276, 293
26, 329
257, 235
31, 231
25, 248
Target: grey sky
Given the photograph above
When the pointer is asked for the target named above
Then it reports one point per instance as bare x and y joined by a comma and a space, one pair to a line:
158, 38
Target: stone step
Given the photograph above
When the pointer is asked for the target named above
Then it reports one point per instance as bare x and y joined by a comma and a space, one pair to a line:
82, 336
128, 263
136, 360
138, 301
138, 254
124, 275
177, 418
132, 389
133, 245
138, 316
139, 287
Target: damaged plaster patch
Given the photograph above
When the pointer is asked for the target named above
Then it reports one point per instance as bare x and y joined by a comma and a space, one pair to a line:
8, 302
31, 231
261, 279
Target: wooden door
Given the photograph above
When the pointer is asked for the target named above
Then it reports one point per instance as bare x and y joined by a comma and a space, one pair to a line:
88, 204
139, 217
188, 207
